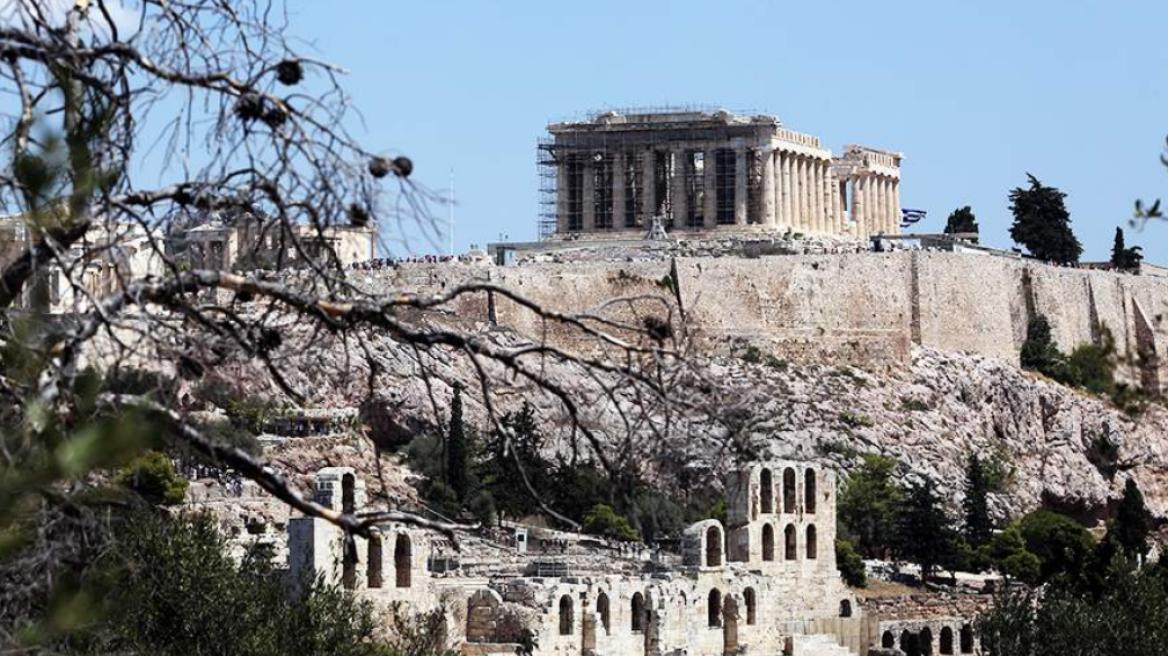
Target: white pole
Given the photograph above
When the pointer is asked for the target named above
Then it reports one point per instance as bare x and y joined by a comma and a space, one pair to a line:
451, 212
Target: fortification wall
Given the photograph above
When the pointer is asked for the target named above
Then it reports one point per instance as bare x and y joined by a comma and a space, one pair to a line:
864, 309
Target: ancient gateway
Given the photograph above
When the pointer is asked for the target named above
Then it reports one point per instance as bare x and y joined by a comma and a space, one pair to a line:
766, 583
713, 171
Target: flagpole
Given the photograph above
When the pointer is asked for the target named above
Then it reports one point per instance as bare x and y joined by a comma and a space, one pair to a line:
451, 227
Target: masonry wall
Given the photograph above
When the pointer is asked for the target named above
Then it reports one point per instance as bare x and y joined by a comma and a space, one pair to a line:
864, 309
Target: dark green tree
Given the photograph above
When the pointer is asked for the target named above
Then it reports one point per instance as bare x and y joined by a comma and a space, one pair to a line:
868, 505
1133, 522
924, 532
978, 528
962, 221
513, 456
850, 564
1042, 223
602, 520
1064, 548
1039, 351
1123, 258
457, 449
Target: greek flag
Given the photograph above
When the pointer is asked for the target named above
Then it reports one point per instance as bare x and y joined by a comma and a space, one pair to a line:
909, 217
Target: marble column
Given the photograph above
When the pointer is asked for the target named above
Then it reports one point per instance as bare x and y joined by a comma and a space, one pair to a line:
648, 188
619, 221
562, 195
589, 195
801, 193
896, 203
768, 188
788, 213
740, 186
858, 205
886, 188
680, 168
710, 189
837, 210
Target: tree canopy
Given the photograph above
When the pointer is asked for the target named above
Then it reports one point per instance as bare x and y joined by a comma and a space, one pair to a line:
1042, 223
961, 221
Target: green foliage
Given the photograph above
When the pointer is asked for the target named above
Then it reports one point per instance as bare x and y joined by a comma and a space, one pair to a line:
511, 456
657, 515
167, 587
751, 355
1042, 223
868, 505
602, 520
924, 533
457, 450
1063, 547
850, 564
1039, 351
1127, 617
853, 419
717, 510
1007, 551
1133, 522
1123, 258
153, 477
978, 528
914, 405
961, 221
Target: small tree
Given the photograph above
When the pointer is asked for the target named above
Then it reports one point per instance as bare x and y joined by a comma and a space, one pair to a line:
1039, 352
975, 507
1042, 223
1123, 258
868, 506
1133, 522
1062, 545
924, 534
602, 520
850, 564
962, 221
153, 477
457, 460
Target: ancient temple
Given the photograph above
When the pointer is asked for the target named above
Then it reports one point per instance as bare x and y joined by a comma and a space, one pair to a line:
706, 172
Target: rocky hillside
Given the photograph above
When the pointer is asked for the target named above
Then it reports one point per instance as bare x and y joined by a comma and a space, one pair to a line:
1053, 446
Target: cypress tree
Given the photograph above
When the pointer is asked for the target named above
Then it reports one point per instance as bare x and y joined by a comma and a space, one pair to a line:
975, 506
924, 533
961, 221
1123, 258
456, 448
1133, 522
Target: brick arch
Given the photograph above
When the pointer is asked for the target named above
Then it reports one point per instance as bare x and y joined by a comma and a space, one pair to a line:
567, 615
947, 641
766, 490
714, 608
750, 600
714, 546
809, 491
403, 557
790, 548
789, 490
768, 542
603, 610
374, 563
812, 543
637, 610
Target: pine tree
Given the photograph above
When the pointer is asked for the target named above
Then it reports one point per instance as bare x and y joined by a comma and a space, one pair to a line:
868, 505
1039, 352
961, 221
1042, 223
1133, 522
457, 459
975, 506
501, 472
924, 532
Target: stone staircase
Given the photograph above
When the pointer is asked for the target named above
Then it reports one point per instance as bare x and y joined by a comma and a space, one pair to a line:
817, 645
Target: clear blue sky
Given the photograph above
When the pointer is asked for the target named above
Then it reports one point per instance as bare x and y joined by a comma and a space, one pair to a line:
975, 94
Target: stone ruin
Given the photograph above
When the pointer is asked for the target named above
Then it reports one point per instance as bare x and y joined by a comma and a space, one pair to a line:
764, 583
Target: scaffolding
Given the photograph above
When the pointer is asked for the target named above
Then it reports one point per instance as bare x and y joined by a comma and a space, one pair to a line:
565, 157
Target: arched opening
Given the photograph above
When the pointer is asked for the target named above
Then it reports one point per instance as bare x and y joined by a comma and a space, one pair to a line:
348, 494
349, 565
402, 557
845, 608
887, 641
767, 490
967, 639
812, 543
751, 606
637, 620
714, 609
809, 491
926, 641
947, 641
603, 611
374, 563
768, 542
789, 490
910, 644
790, 550
566, 619
713, 547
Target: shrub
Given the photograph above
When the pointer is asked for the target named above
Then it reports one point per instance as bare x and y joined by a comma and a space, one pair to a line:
153, 477
855, 419
850, 565
1039, 351
1062, 546
602, 520
914, 405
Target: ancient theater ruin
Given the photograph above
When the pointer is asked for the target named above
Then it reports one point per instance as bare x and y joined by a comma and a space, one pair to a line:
765, 583
710, 171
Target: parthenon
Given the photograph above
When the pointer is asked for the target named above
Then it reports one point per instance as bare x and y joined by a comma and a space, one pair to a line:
707, 171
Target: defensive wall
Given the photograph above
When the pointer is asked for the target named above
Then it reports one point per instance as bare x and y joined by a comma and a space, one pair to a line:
864, 309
